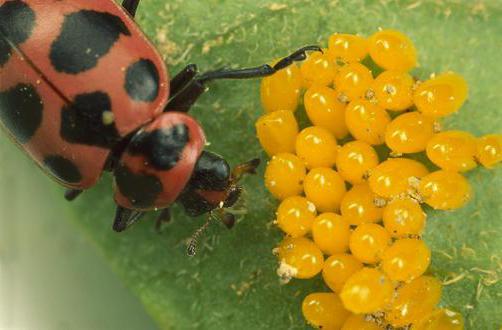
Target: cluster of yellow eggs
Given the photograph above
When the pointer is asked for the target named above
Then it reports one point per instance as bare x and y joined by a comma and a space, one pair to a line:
348, 212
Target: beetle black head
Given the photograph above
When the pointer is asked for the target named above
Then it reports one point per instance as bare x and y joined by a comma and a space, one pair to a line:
213, 185
197, 201
233, 190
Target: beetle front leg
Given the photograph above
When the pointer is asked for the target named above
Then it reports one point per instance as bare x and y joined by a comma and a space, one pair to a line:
182, 79
183, 100
259, 71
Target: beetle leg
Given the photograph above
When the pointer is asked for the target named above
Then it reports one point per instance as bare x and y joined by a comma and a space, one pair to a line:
71, 194
164, 217
131, 6
259, 71
182, 79
183, 90
183, 100
125, 218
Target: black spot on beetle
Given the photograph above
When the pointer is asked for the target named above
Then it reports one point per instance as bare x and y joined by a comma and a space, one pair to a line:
140, 189
162, 148
85, 37
17, 20
142, 81
63, 169
83, 121
211, 172
21, 111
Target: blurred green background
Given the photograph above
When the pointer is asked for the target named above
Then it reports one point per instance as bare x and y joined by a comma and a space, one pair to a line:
63, 267
51, 276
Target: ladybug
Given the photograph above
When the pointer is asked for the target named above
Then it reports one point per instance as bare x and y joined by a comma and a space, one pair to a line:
83, 91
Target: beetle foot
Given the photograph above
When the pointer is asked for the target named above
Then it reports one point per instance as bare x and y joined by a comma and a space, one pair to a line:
125, 218
163, 218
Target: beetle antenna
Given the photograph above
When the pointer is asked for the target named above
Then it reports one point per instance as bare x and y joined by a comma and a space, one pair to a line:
192, 245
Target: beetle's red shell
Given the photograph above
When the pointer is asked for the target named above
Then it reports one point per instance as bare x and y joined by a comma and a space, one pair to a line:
91, 70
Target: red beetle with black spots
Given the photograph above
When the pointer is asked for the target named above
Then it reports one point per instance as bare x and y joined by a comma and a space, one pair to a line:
83, 91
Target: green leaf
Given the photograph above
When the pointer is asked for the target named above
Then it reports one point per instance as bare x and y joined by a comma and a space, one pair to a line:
231, 283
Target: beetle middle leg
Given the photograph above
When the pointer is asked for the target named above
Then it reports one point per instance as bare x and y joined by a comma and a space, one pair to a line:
194, 85
131, 6
163, 217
